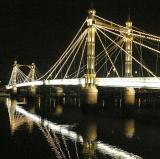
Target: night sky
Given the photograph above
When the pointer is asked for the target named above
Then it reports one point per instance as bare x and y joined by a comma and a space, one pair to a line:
39, 31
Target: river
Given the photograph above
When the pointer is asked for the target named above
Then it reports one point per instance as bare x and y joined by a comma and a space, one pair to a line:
64, 126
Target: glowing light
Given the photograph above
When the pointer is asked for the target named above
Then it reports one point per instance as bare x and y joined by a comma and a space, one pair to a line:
139, 82
115, 152
136, 82
76, 81
35, 118
101, 147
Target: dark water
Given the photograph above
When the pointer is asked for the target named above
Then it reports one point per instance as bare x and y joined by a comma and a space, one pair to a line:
66, 126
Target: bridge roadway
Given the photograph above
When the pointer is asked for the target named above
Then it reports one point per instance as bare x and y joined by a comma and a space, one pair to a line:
135, 82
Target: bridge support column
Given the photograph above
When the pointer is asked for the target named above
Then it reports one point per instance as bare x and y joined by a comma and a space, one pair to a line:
129, 93
33, 87
14, 78
90, 76
128, 48
129, 96
33, 90
58, 90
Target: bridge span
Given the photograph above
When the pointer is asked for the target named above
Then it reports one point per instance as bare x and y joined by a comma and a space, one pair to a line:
114, 55
135, 82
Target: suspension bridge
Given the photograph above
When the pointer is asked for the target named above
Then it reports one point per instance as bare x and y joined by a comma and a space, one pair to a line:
102, 53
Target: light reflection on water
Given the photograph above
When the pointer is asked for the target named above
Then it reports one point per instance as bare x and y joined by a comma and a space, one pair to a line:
88, 140
67, 122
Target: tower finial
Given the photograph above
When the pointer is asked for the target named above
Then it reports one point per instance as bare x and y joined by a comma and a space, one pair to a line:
15, 61
129, 15
92, 5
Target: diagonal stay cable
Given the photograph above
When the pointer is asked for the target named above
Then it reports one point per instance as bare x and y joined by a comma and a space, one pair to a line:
128, 53
107, 54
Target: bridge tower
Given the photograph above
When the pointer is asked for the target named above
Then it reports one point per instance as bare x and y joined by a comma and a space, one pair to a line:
14, 77
90, 76
128, 48
33, 88
33, 71
129, 92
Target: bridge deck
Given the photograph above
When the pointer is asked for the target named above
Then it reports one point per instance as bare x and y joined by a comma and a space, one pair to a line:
136, 82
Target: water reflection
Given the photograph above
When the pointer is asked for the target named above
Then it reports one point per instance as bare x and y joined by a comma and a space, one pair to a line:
129, 128
16, 120
89, 132
90, 98
61, 136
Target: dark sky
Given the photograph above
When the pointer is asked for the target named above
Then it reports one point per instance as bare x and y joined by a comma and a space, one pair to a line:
39, 31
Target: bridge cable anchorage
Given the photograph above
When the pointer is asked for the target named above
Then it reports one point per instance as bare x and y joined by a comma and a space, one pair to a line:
125, 51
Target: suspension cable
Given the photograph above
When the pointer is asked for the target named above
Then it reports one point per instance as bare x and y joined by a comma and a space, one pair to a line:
81, 58
75, 55
65, 50
126, 51
107, 54
108, 59
83, 34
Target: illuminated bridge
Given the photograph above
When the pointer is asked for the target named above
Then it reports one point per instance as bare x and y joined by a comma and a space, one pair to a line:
102, 53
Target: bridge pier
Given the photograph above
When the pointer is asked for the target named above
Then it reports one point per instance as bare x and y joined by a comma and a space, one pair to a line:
129, 96
33, 90
58, 90
89, 98
14, 90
